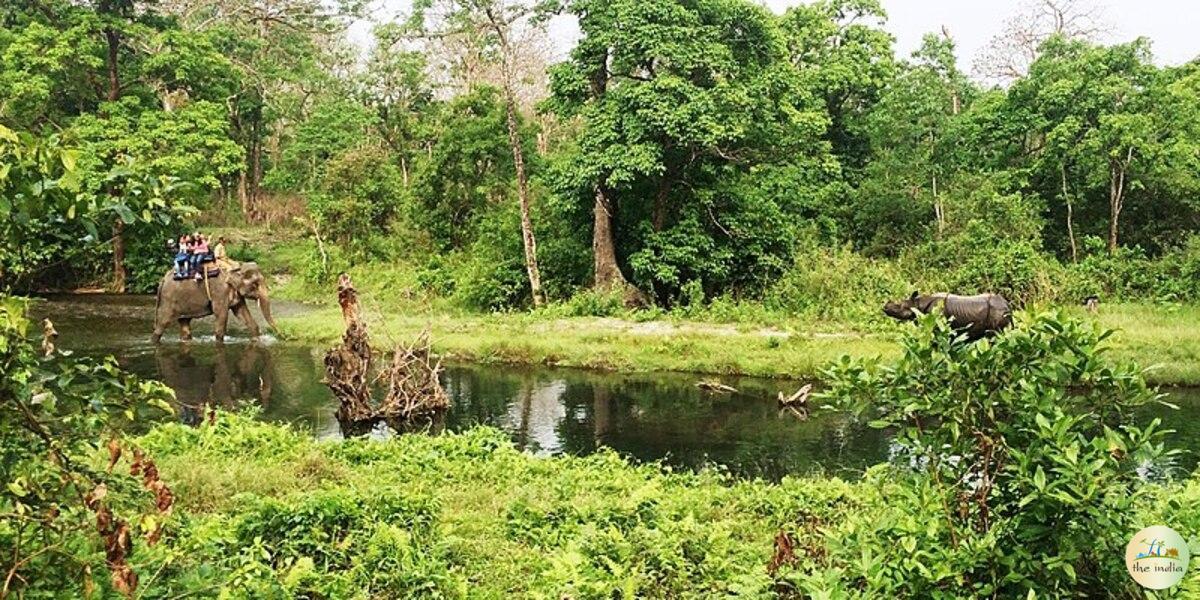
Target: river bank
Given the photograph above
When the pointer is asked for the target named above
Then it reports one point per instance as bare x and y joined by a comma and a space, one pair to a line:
721, 338
1165, 339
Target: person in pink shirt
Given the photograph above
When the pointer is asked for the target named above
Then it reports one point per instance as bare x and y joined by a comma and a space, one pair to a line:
199, 253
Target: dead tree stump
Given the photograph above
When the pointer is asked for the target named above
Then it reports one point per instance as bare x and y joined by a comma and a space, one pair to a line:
414, 389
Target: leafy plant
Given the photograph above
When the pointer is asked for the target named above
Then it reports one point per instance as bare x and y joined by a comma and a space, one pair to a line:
56, 519
1022, 450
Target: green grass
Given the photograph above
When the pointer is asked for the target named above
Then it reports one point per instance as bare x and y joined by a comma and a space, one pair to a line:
265, 511
607, 344
1164, 338
488, 521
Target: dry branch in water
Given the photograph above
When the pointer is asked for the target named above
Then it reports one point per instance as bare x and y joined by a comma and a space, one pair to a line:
413, 387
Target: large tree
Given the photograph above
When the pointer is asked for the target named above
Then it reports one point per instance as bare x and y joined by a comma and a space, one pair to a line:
490, 26
673, 97
131, 89
842, 48
1100, 119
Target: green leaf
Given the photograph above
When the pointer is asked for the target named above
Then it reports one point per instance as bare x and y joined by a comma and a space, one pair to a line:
124, 213
17, 488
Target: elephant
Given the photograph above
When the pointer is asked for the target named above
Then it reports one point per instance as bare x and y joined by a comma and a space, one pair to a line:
181, 300
979, 316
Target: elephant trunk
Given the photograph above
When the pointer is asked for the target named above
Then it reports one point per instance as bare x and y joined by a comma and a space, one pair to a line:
264, 305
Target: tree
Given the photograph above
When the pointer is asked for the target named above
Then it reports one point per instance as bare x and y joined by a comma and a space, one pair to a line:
146, 168
490, 23
916, 142
672, 97
1008, 56
1099, 132
38, 189
122, 61
469, 168
841, 46
287, 53
396, 86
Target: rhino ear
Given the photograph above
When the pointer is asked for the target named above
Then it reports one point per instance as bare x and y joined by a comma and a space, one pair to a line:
914, 295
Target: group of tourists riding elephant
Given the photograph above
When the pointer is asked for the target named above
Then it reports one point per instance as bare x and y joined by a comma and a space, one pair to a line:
222, 291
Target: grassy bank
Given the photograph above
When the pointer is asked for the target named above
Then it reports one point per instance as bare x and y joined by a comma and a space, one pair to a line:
610, 343
266, 511
723, 337
1165, 337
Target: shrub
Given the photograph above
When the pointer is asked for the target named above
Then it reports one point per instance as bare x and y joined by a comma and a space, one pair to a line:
56, 512
1024, 465
491, 274
360, 193
836, 282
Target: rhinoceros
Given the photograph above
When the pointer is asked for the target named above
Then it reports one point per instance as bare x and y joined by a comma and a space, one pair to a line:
977, 316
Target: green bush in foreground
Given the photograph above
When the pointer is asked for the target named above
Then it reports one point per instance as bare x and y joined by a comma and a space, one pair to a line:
468, 515
1026, 463
63, 520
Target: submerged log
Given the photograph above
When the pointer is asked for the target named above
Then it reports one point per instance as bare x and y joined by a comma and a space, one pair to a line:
414, 390
709, 385
800, 398
797, 404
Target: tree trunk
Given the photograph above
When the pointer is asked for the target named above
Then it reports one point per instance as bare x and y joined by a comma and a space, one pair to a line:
119, 256
243, 192
659, 219
113, 40
1070, 215
939, 211
608, 274
1116, 197
256, 174
514, 141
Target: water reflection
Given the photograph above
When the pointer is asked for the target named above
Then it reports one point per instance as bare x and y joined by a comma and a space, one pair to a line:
219, 376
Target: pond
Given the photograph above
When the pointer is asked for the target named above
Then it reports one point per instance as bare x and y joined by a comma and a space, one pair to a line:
648, 417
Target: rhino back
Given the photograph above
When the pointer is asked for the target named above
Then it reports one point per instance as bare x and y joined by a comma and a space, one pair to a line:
967, 309
990, 311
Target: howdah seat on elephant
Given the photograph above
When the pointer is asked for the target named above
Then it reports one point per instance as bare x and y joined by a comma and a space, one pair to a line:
225, 291
212, 271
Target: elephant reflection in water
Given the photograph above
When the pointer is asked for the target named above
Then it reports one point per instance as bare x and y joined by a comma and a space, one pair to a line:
216, 379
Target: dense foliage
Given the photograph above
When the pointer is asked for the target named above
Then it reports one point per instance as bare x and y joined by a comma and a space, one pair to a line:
1025, 447
694, 151
57, 521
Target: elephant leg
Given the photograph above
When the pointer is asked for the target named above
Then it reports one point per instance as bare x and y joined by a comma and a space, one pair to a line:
185, 329
161, 322
243, 312
222, 314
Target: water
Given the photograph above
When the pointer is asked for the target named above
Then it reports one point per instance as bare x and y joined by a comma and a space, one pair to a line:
649, 417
